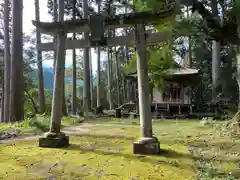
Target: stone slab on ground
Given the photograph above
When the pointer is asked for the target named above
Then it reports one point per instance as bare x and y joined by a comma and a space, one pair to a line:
54, 142
148, 146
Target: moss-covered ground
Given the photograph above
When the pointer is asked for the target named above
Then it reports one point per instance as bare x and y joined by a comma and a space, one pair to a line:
102, 149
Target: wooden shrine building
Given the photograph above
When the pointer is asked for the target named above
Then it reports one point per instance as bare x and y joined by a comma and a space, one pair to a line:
175, 98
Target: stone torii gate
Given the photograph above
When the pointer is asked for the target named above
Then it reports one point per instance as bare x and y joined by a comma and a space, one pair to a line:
96, 25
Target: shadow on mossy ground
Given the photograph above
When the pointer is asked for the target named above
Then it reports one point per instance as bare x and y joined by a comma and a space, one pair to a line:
189, 151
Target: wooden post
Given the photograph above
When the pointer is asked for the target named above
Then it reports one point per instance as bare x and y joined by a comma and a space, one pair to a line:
143, 84
117, 77
98, 77
98, 71
74, 71
55, 138
109, 64
182, 94
147, 144
55, 15
86, 87
39, 62
58, 77
91, 78
74, 83
125, 51
128, 91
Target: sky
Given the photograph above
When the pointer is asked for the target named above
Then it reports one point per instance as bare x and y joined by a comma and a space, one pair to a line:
29, 15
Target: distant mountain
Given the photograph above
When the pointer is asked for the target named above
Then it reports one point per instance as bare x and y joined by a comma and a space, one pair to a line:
49, 78
49, 69
68, 80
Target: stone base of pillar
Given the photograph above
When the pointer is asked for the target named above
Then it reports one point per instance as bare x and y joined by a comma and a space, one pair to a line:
53, 140
146, 146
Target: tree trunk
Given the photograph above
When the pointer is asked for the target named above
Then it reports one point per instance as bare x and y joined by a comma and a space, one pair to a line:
98, 76
39, 63
74, 71
7, 65
32, 101
126, 84
2, 105
189, 43
117, 78
86, 91
124, 90
215, 69
238, 56
238, 81
17, 80
129, 90
74, 80
98, 71
91, 79
58, 77
109, 80
215, 58
238, 69
190, 63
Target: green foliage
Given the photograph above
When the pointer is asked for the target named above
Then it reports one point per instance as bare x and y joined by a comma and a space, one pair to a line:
38, 124
146, 5
31, 103
158, 67
233, 126
237, 8
160, 60
73, 120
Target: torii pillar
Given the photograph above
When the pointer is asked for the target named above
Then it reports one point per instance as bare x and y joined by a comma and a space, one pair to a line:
147, 144
55, 138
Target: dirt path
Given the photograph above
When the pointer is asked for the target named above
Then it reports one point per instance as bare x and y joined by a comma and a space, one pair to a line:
70, 130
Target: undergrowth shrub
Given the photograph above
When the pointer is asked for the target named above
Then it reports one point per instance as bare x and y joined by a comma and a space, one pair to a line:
233, 125
72, 120
31, 102
39, 124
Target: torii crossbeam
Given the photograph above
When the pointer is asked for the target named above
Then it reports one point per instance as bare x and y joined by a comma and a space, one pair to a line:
151, 38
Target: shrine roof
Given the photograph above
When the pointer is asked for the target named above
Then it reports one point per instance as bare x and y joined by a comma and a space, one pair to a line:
179, 74
175, 72
182, 71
